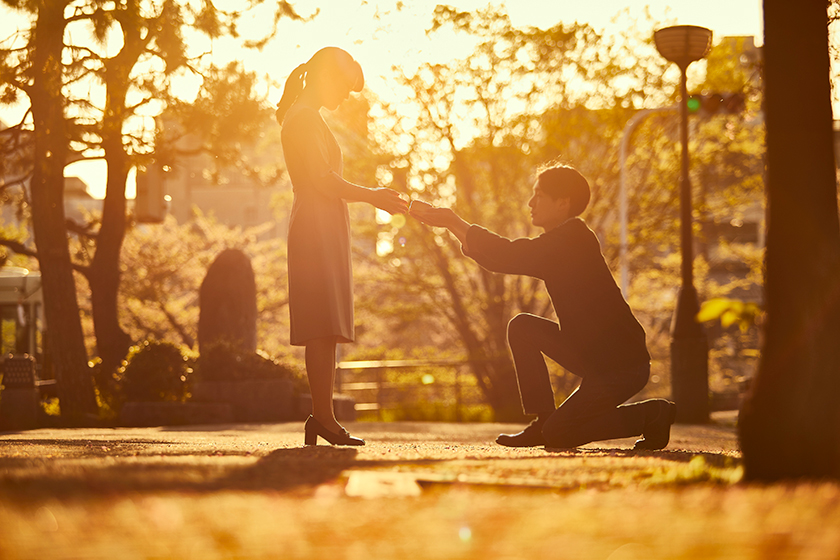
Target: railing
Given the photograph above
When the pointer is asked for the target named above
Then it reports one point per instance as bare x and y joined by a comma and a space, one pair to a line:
378, 384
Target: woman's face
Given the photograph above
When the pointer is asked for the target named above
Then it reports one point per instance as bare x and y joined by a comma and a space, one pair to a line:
333, 89
335, 94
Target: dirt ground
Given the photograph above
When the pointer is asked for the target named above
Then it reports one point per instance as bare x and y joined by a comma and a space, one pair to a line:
416, 490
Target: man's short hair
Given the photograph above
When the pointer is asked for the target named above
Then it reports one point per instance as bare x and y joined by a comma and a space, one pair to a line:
564, 181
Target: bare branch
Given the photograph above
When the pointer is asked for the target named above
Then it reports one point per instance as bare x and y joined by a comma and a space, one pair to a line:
17, 181
81, 230
179, 328
18, 247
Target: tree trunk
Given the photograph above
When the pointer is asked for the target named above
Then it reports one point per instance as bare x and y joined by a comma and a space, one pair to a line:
112, 342
66, 345
790, 421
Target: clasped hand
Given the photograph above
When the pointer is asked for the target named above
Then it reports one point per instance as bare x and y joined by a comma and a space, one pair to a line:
429, 215
390, 201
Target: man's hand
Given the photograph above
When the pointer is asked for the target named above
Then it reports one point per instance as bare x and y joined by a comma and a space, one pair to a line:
429, 215
388, 200
440, 217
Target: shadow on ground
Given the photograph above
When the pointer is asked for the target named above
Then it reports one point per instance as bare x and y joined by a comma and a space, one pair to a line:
94, 463
74, 474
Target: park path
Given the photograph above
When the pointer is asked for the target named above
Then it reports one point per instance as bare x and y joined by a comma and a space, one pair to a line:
399, 458
416, 490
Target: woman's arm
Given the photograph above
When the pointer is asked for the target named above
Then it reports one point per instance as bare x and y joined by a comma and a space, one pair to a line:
383, 198
304, 143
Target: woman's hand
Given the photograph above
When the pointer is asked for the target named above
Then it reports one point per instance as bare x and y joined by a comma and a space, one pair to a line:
388, 200
429, 215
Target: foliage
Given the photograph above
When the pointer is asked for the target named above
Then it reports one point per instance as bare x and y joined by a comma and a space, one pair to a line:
163, 266
137, 78
51, 407
730, 312
155, 372
227, 362
221, 123
471, 135
697, 470
106, 386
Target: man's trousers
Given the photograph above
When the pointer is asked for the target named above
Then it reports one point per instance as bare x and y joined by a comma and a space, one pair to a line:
595, 410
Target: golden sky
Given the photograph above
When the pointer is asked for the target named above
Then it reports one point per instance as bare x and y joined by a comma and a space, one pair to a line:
381, 33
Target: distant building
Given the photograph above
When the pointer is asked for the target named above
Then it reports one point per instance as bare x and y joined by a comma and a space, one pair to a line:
234, 197
234, 201
78, 203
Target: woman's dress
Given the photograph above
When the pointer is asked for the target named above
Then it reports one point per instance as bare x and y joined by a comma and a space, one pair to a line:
319, 268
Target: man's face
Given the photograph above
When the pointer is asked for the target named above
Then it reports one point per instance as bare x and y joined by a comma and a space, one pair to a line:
546, 212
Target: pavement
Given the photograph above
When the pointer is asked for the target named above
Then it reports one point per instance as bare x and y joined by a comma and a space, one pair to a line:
416, 490
399, 458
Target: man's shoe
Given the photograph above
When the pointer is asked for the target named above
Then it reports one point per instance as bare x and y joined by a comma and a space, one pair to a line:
657, 431
529, 437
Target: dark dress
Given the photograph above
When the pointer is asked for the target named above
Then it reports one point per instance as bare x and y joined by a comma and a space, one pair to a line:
320, 272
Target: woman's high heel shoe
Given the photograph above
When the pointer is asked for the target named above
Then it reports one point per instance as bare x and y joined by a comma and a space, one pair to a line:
312, 429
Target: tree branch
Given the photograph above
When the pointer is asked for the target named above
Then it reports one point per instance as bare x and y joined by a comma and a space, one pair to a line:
79, 229
182, 332
18, 247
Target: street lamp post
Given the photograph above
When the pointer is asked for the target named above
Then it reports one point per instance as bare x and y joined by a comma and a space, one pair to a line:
684, 44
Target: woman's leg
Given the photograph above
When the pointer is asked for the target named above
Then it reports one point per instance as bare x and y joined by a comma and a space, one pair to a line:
320, 370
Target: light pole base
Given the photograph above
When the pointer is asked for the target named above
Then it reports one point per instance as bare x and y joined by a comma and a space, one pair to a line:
690, 379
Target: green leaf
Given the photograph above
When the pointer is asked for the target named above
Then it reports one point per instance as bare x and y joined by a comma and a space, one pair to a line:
713, 309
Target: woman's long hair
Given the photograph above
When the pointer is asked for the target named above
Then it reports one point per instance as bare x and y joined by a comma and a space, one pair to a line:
334, 62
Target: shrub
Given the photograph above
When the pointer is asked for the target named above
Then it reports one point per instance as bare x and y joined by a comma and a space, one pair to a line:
155, 372
227, 362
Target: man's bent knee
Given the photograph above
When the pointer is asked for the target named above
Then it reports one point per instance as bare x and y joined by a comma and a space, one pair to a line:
517, 328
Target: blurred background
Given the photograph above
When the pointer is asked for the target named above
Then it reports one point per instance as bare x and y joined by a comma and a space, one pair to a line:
462, 104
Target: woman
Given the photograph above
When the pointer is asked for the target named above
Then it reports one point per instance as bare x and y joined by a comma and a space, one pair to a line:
320, 273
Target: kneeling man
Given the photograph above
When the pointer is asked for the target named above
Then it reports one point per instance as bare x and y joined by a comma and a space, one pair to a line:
597, 339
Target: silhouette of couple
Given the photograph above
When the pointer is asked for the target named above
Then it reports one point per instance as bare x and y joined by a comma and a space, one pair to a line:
600, 340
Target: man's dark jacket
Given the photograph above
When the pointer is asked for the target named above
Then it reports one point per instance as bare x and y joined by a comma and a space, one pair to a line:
599, 331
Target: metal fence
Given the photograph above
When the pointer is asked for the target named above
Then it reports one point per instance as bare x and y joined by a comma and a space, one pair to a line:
367, 381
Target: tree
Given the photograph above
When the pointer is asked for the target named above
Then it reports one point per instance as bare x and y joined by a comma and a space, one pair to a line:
788, 427
161, 31
158, 36
159, 298
479, 129
138, 75
42, 81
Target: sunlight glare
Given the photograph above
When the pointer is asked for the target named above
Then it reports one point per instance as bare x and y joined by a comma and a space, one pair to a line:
384, 243
382, 217
398, 220
465, 534
388, 36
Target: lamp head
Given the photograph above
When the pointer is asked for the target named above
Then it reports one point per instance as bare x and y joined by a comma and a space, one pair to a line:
683, 44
